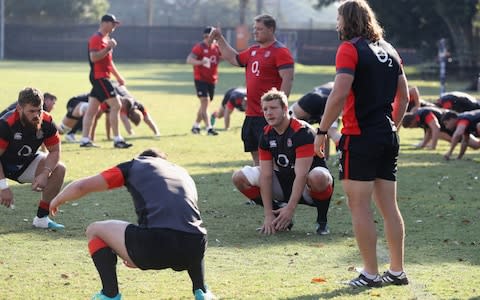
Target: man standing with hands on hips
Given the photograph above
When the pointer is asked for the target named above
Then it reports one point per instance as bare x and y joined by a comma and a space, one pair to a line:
267, 64
100, 48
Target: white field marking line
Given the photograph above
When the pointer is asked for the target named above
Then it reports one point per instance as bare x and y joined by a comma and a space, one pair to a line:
417, 288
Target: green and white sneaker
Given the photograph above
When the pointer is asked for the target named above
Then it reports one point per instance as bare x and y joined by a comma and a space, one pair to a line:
101, 296
46, 223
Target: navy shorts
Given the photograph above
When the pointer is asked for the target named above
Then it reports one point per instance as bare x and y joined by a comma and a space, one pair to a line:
365, 159
161, 248
102, 89
205, 89
252, 130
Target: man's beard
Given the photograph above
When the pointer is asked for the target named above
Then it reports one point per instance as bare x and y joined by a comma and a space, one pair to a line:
29, 125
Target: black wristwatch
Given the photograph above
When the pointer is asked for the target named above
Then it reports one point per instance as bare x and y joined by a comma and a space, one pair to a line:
321, 132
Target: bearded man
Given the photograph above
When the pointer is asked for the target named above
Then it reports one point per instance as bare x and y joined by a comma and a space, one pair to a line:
22, 131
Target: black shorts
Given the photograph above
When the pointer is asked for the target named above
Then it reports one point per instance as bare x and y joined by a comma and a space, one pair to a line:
160, 248
365, 159
205, 89
102, 89
252, 130
71, 104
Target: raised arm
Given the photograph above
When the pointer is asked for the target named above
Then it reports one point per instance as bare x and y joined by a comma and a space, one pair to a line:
228, 53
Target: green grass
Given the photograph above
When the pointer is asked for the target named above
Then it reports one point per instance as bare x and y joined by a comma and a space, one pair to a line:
440, 202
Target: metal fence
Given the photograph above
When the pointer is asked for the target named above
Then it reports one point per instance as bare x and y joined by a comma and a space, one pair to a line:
69, 43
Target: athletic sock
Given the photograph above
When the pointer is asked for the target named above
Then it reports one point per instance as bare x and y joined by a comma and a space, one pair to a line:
253, 193
84, 140
369, 276
117, 138
43, 209
197, 276
106, 263
394, 273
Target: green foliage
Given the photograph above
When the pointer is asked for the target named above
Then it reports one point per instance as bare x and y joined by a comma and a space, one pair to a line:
420, 24
440, 203
54, 11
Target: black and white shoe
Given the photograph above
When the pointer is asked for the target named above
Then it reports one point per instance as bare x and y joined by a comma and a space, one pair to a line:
212, 131
122, 145
195, 130
389, 278
363, 281
88, 144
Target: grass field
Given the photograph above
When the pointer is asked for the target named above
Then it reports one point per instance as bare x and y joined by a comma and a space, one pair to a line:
440, 202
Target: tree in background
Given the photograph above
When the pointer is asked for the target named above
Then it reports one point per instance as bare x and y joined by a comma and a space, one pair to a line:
54, 11
421, 24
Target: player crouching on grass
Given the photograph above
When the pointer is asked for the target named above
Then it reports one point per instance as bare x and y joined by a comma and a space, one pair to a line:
169, 233
22, 131
289, 173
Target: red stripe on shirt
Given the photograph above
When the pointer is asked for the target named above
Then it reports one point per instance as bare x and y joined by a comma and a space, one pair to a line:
264, 154
305, 151
113, 177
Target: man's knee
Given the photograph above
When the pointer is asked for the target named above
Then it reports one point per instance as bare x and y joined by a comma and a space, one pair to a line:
246, 177
320, 182
114, 103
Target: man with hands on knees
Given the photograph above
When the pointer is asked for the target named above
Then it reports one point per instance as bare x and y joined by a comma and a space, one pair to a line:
289, 173
22, 131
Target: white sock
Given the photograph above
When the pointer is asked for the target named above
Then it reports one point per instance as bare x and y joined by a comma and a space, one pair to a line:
117, 138
196, 125
369, 276
84, 140
398, 273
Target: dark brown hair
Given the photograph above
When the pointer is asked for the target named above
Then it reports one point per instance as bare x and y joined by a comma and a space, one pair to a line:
267, 20
30, 95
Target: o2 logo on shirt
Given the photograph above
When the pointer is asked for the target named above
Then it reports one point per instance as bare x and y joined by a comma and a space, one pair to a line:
256, 68
213, 60
282, 160
381, 54
25, 151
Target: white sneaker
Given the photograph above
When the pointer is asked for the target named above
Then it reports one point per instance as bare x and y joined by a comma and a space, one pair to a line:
46, 223
70, 138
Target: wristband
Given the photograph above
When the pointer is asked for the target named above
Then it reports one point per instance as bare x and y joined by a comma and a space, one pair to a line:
3, 184
321, 132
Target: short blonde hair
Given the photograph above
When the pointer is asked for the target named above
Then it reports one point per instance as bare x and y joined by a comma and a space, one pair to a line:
274, 94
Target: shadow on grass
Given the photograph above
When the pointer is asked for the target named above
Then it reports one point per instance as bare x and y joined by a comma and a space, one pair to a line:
440, 202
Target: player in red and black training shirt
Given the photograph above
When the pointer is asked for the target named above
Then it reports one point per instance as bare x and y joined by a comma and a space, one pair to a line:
369, 76
22, 132
289, 170
458, 101
205, 57
463, 126
100, 49
267, 64
169, 233
234, 98
428, 118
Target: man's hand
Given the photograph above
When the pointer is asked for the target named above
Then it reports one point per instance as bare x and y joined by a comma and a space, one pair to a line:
319, 145
40, 182
268, 227
284, 218
112, 43
6, 197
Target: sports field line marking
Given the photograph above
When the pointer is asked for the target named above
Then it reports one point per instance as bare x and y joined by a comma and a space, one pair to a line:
417, 288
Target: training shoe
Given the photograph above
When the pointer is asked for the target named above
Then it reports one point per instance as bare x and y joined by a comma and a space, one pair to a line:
322, 230
389, 278
195, 130
201, 295
46, 223
101, 296
88, 144
122, 145
212, 119
70, 138
363, 281
212, 131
